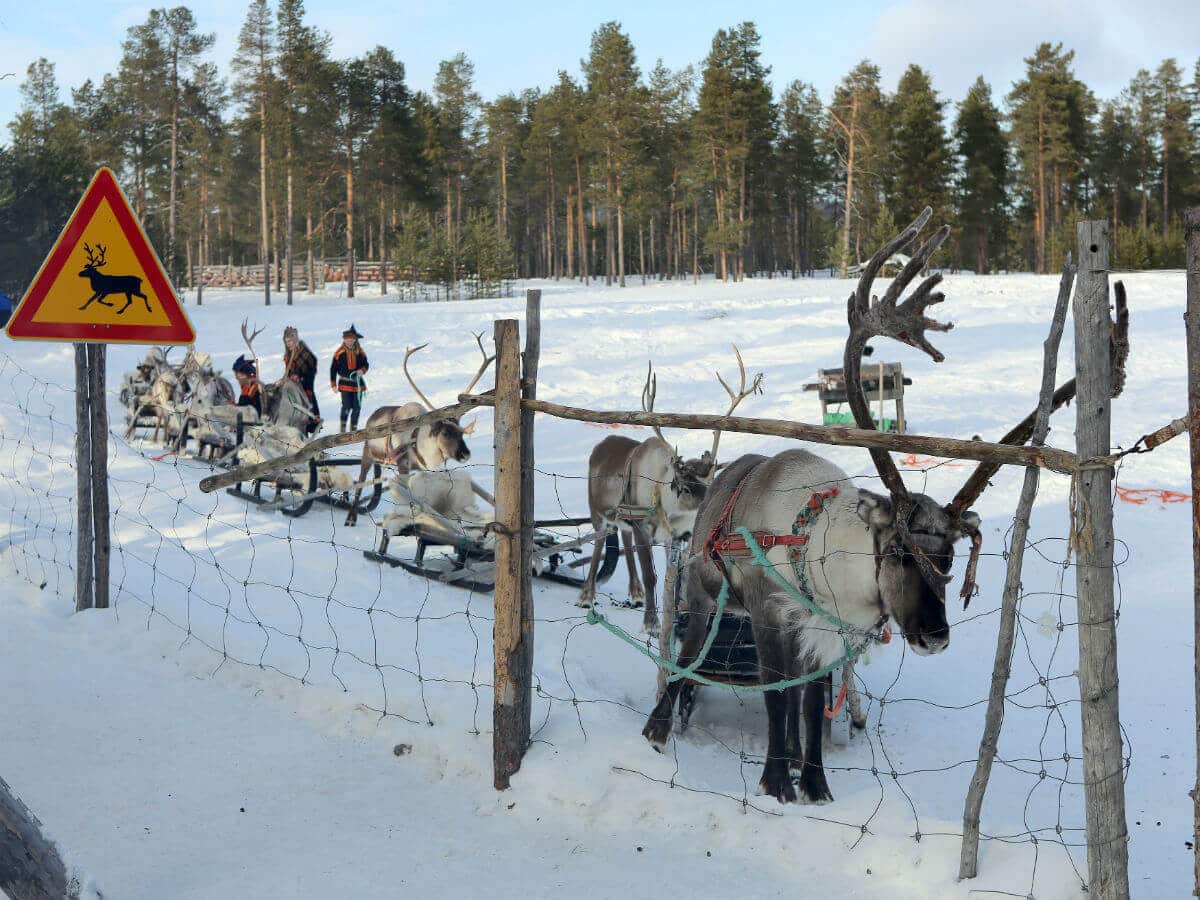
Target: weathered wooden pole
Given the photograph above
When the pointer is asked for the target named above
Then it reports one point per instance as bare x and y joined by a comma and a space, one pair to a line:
510, 733
968, 862
1191, 226
529, 373
1092, 537
31, 867
97, 365
84, 542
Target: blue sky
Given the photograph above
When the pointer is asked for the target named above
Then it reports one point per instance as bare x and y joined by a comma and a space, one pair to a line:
515, 46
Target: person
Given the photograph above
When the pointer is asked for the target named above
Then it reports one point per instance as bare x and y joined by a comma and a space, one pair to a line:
300, 365
346, 373
247, 377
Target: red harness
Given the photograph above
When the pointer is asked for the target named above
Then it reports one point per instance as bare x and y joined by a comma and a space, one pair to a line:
720, 541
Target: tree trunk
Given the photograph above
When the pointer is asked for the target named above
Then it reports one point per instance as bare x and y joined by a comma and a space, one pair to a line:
289, 226
849, 185
1166, 170
383, 255
581, 224
174, 161
262, 192
570, 230
620, 232
350, 225
308, 256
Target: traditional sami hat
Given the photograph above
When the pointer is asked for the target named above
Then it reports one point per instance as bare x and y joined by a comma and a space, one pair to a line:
243, 365
351, 332
291, 332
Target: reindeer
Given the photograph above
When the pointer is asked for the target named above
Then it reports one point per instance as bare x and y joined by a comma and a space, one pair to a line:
860, 557
650, 476
106, 285
428, 447
283, 402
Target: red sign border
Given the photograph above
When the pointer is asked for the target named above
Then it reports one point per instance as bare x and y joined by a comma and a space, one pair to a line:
22, 325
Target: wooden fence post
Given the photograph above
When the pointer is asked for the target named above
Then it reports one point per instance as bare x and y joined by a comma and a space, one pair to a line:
1092, 537
97, 365
529, 373
510, 735
84, 543
1191, 227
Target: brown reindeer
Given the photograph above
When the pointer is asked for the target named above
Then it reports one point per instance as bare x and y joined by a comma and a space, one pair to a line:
650, 494
428, 447
859, 556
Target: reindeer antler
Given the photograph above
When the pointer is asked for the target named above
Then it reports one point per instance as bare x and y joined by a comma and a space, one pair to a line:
734, 399
409, 351
102, 250
487, 361
906, 323
249, 339
649, 392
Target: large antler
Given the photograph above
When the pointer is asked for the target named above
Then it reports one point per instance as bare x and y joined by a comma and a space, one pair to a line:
906, 323
483, 367
649, 392
407, 353
1118, 349
249, 339
735, 398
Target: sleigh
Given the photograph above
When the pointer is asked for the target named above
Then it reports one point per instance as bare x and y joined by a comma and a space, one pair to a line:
733, 660
449, 540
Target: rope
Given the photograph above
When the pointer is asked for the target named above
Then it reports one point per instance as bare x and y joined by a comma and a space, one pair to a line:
690, 672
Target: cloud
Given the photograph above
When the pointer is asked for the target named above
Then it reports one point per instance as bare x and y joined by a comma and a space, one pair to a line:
957, 41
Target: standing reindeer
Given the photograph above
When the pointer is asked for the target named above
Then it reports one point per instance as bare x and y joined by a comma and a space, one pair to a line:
427, 447
660, 489
849, 558
105, 285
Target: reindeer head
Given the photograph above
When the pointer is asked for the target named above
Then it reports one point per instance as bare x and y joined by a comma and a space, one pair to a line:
95, 259
444, 439
914, 535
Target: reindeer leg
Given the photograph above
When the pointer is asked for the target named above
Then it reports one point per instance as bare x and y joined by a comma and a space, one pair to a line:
89, 302
774, 664
128, 300
636, 595
587, 594
650, 579
352, 516
658, 725
812, 779
793, 748
145, 300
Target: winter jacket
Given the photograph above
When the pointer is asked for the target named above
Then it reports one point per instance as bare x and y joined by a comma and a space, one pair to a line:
345, 363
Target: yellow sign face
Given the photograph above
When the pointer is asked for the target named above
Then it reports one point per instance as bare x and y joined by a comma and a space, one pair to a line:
102, 282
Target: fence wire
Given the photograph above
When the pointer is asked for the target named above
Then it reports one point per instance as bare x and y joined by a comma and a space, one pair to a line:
295, 596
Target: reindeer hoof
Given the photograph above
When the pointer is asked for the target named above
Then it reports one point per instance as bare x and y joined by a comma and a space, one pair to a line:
777, 782
814, 786
657, 731
860, 724
650, 625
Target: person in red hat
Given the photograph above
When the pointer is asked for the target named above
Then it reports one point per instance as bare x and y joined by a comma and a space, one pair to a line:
346, 373
247, 377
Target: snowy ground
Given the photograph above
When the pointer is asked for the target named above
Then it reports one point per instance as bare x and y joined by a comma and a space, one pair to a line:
219, 732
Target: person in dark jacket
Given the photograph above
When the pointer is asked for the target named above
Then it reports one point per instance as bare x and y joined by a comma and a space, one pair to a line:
346, 373
247, 377
300, 365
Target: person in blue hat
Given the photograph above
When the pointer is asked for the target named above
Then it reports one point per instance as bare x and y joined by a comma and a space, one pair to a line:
247, 377
346, 373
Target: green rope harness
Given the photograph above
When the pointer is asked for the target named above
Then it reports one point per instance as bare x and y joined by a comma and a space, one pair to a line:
853, 651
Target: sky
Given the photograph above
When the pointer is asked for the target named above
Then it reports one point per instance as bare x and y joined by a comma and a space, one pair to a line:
516, 46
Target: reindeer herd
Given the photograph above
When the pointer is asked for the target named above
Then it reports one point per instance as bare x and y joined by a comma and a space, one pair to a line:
833, 566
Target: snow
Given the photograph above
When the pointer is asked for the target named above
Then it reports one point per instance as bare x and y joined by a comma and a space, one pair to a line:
249, 656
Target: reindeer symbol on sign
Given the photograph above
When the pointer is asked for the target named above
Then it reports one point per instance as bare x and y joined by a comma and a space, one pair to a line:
104, 285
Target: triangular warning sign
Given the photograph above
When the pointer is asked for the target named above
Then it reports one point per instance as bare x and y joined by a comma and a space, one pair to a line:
102, 282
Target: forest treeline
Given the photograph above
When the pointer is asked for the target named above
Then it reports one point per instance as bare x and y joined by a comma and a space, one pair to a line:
620, 170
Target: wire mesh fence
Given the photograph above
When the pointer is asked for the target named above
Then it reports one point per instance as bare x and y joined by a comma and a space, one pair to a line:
295, 596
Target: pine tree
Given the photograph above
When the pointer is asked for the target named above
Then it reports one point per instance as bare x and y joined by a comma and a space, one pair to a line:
253, 64
1175, 138
919, 153
805, 170
203, 137
183, 45
356, 109
457, 102
142, 82
983, 173
1050, 113
857, 140
616, 106
1116, 163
